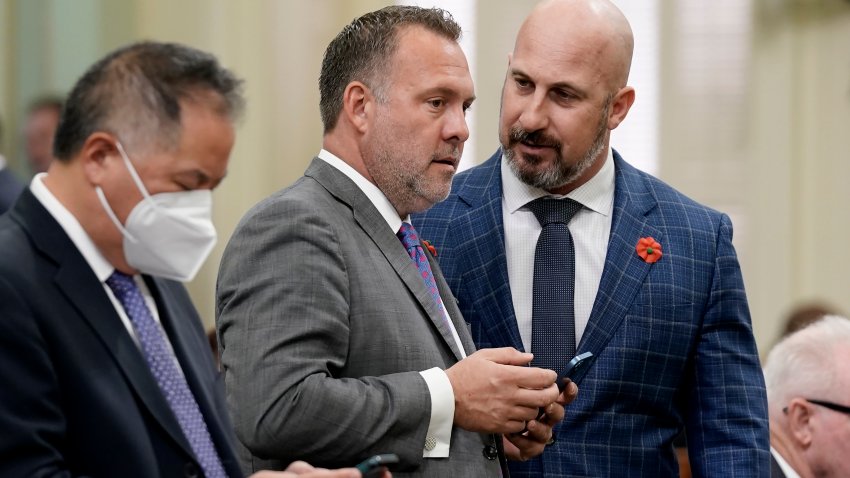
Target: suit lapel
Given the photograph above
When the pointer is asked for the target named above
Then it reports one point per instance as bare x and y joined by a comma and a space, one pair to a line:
75, 279
374, 225
451, 305
482, 224
85, 293
624, 270
177, 316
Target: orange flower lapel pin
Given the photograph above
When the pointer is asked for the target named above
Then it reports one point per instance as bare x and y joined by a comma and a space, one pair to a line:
648, 249
430, 247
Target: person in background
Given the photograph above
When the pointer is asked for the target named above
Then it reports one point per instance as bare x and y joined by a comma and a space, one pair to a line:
39, 129
804, 314
556, 245
808, 393
10, 185
106, 370
339, 337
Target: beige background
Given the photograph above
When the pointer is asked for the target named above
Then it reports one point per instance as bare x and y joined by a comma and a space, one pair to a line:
770, 148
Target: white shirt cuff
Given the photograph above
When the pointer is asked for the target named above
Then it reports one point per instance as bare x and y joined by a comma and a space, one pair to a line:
439, 437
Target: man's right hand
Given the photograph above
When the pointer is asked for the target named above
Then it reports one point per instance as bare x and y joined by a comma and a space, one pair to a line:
300, 469
496, 392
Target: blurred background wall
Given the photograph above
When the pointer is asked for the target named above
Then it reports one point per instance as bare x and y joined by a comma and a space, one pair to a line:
742, 104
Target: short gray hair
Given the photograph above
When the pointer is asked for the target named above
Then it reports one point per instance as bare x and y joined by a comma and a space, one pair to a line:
803, 363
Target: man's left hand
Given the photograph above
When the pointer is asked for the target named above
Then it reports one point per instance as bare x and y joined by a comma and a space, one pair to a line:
538, 434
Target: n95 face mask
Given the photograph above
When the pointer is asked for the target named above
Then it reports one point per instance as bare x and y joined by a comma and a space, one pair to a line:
168, 235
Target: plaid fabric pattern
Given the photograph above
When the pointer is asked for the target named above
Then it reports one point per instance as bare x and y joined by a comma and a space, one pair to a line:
673, 340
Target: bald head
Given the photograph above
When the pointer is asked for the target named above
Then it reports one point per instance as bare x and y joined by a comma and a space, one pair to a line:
595, 28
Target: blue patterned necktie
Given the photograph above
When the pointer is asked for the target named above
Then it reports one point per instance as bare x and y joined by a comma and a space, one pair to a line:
171, 381
553, 327
410, 240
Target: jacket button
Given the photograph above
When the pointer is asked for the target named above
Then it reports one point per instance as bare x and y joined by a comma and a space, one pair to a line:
490, 452
190, 470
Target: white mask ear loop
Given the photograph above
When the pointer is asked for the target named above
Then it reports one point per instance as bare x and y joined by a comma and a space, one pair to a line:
134, 174
112, 215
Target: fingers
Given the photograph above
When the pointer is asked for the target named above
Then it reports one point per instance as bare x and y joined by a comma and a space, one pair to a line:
299, 467
523, 447
552, 414
505, 356
304, 470
569, 394
535, 378
536, 398
538, 432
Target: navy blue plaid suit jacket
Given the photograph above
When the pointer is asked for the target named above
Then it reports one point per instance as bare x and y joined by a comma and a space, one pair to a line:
673, 340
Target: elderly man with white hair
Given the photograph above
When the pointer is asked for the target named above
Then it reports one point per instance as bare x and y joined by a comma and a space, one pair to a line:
808, 392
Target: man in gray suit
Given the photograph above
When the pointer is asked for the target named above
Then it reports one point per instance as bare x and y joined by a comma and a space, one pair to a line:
339, 336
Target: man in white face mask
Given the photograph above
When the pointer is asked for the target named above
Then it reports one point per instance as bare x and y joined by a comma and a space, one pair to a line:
105, 366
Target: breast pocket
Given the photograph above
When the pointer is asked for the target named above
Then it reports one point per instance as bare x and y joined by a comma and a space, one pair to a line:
656, 341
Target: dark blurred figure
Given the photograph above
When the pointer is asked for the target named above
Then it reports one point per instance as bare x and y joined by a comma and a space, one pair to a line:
10, 185
804, 314
39, 128
680, 444
212, 338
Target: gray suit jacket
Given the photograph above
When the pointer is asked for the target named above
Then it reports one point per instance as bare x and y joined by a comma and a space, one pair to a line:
324, 324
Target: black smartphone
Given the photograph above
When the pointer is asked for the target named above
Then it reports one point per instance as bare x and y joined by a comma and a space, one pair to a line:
373, 467
575, 368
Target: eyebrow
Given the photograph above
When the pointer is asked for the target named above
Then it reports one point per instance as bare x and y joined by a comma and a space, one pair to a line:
564, 85
444, 91
201, 178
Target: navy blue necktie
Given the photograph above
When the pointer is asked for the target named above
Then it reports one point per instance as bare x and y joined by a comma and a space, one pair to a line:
553, 327
171, 381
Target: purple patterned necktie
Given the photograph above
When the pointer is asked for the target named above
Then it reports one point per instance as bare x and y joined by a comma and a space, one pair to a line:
410, 240
163, 365
553, 324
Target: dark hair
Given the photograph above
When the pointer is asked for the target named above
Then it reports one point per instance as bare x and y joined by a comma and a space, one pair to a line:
135, 93
362, 50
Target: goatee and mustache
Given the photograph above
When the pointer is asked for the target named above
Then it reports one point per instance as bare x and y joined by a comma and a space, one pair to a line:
532, 168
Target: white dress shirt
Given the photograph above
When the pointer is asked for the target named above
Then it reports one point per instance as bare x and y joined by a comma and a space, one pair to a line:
590, 229
100, 266
783, 465
439, 386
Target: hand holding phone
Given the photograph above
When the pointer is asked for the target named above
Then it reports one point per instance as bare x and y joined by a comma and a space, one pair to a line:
373, 467
575, 368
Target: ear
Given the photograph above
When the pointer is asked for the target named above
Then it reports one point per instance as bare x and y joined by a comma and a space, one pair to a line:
620, 105
93, 156
358, 105
800, 421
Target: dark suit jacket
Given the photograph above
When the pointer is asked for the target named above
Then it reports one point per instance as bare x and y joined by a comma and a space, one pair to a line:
10, 189
673, 340
77, 397
325, 324
775, 469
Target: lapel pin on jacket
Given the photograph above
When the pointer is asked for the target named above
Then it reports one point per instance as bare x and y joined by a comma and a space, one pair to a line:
648, 249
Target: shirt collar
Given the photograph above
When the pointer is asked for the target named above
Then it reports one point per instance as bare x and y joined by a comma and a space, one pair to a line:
375, 195
597, 194
2, 162
783, 465
101, 267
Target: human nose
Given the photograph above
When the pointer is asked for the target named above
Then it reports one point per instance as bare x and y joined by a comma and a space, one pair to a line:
456, 131
534, 116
